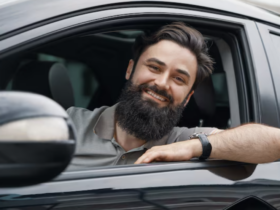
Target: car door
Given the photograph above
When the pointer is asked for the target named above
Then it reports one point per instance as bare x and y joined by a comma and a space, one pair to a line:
192, 184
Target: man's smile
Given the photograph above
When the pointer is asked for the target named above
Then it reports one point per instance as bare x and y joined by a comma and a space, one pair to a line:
156, 96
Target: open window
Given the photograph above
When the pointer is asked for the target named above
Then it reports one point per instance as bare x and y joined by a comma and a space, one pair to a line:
95, 59
96, 63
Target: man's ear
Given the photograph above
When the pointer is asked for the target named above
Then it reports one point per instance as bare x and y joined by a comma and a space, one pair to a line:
129, 69
189, 97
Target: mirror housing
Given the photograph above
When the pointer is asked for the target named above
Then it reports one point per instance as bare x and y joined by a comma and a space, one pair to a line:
37, 139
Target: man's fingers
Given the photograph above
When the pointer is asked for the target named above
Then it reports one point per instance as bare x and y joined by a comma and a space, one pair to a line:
151, 156
140, 160
180, 151
148, 157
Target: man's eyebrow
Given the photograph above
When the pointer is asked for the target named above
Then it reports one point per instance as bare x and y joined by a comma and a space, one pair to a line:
184, 72
156, 61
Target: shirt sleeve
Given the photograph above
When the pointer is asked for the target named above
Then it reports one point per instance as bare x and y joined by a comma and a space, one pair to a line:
186, 133
79, 115
71, 113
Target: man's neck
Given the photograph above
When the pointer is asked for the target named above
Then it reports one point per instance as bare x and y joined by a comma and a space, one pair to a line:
125, 140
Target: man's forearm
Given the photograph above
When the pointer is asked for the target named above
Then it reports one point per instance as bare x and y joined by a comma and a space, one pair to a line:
252, 143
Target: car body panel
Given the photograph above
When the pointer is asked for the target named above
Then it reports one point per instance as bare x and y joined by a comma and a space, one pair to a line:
19, 14
201, 188
194, 177
110, 14
272, 54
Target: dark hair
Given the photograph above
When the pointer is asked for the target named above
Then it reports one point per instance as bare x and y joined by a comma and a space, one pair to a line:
183, 35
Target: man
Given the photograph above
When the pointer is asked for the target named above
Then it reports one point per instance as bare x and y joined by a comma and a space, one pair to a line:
167, 67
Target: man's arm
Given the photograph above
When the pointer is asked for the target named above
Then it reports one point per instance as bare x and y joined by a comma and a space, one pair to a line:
252, 143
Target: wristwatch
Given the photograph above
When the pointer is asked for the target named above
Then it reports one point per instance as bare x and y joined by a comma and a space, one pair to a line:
206, 145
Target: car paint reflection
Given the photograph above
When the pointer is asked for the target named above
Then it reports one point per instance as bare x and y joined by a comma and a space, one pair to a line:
214, 188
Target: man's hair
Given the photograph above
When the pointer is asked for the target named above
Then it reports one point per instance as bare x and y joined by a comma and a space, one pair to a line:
186, 37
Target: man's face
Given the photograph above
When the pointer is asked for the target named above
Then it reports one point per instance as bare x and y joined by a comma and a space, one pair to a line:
153, 100
170, 68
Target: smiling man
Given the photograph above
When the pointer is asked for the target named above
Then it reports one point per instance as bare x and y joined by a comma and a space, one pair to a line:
167, 67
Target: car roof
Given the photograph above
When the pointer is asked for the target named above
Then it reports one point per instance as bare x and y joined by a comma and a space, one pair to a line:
16, 14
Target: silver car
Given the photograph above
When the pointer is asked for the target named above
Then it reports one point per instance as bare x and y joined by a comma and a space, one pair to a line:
92, 40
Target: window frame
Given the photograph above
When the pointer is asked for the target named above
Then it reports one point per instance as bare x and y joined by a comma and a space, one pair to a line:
273, 58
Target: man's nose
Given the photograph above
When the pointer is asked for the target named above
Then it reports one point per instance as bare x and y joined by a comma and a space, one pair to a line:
162, 81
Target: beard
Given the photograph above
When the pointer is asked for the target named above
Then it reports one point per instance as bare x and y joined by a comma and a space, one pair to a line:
143, 118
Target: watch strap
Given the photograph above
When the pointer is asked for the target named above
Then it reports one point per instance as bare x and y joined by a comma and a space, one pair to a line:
206, 147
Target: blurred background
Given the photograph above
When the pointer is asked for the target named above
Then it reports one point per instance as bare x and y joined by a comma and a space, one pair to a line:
271, 5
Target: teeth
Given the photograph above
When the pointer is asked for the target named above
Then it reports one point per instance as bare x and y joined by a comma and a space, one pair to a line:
156, 96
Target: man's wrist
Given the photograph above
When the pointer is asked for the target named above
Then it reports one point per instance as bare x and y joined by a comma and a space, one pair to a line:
213, 141
196, 147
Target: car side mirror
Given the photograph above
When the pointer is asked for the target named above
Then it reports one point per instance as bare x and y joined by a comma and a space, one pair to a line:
37, 139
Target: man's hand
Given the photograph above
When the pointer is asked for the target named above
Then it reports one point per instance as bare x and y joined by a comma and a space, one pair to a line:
179, 151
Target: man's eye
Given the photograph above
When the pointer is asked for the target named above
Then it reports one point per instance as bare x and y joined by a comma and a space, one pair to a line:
154, 68
179, 79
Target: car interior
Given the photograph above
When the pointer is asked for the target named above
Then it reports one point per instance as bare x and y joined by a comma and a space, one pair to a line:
89, 71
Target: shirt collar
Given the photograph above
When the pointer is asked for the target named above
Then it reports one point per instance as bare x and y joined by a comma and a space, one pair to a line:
105, 128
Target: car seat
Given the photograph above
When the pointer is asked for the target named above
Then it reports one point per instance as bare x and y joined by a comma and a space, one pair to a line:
209, 106
46, 78
200, 107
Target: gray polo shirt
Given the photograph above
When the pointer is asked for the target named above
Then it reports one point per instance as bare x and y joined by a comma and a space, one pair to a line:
96, 145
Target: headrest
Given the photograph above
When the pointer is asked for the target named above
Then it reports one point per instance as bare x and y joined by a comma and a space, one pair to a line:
204, 96
46, 78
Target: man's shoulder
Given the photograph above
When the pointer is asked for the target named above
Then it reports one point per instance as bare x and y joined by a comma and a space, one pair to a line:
83, 111
77, 110
82, 115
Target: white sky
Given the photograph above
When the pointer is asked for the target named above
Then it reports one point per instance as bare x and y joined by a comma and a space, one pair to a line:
6, 2
270, 2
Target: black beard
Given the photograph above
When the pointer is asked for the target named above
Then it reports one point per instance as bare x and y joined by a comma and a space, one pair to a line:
144, 119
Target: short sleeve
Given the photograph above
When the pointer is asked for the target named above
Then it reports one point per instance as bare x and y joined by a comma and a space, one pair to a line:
186, 133
76, 115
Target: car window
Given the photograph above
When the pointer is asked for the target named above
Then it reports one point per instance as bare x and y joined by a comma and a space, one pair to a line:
96, 63
97, 72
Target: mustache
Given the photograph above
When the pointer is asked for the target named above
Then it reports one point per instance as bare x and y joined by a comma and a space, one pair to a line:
154, 88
